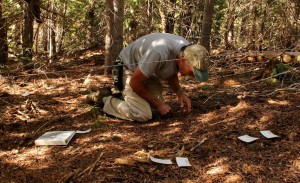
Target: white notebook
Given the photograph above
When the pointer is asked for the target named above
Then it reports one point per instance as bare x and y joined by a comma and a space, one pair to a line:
57, 137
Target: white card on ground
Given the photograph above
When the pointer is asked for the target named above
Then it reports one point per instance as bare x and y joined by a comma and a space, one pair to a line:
57, 137
268, 134
25, 94
181, 162
247, 138
161, 161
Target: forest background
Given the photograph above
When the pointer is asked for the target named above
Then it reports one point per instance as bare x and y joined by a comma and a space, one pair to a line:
36, 28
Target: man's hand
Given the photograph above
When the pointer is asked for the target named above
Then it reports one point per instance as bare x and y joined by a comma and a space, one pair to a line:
164, 109
183, 99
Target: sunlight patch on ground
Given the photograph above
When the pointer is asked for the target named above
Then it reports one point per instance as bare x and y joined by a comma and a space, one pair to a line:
96, 81
251, 169
218, 170
208, 117
67, 100
252, 126
30, 156
263, 121
233, 178
264, 118
19, 135
172, 131
218, 167
175, 124
296, 164
241, 106
139, 156
104, 137
274, 102
133, 139
2, 153
153, 124
232, 83
103, 78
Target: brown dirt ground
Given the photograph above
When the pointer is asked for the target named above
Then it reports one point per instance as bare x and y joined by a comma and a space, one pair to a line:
115, 150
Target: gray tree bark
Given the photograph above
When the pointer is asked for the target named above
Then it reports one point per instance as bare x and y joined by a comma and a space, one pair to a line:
3, 40
109, 19
118, 28
207, 23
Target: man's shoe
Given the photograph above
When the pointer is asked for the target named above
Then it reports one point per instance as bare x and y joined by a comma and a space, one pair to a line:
95, 98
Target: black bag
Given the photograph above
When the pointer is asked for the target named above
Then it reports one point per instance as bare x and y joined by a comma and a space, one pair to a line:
118, 75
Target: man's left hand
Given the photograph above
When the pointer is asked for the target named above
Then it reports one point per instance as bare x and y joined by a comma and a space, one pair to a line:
183, 99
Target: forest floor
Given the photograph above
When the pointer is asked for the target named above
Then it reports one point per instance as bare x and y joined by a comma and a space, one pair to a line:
47, 97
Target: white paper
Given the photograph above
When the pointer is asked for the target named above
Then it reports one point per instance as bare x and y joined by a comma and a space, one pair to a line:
268, 134
25, 94
182, 162
247, 138
161, 161
83, 131
57, 137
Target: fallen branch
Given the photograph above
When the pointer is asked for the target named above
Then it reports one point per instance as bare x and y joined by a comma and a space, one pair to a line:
292, 87
199, 144
91, 167
209, 98
272, 76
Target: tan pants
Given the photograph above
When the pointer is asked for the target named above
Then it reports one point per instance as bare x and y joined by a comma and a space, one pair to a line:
133, 107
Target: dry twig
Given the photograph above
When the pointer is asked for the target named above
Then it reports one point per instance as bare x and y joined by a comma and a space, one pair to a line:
91, 167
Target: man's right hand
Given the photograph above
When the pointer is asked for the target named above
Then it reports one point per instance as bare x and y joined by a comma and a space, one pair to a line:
164, 109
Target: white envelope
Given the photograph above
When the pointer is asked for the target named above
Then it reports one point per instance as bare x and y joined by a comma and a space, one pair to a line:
161, 161
247, 138
182, 162
268, 134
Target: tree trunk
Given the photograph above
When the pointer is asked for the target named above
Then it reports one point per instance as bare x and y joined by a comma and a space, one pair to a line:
167, 15
262, 27
293, 16
161, 5
52, 40
150, 15
45, 38
52, 34
253, 28
37, 33
229, 33
243, 29
91, 17
118, 28
3, 40
185, 18
207, 23
28, 32
170, 23
17, 32
62, 27
109, 18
